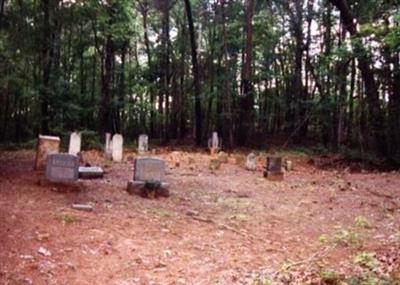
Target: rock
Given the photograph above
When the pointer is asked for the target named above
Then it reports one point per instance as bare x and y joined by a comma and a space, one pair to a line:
215, 164
288, 165
251, 162
44, 251
83, 207
223, 157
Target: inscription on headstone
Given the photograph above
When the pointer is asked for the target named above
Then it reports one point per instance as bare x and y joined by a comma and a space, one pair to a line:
149, 169
117, 147
62, 167
75, 143
143, 144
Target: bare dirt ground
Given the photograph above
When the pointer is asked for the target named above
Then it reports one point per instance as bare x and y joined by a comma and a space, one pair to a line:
225, 226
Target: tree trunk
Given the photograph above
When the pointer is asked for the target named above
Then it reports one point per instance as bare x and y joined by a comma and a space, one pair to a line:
376, 117
196, 79
247, 96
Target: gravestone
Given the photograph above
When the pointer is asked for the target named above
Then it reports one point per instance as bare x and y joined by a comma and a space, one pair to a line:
148, 178
75, 143
251, 162
273, 170
90, 172
117, 147
143, 144
149, 169
214, 143
108, 146
46, 145
62, 167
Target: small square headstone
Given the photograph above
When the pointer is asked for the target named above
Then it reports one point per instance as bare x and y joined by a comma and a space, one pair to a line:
149, 169
62, 167
273, 169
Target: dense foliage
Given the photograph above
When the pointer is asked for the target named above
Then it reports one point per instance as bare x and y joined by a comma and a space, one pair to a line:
305, 69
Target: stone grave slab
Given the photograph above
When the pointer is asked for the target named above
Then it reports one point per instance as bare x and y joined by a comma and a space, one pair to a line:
62, 167
46, 145
90, 172
148, 179
149, 169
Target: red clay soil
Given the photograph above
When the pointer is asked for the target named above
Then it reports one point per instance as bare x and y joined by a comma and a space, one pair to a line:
226, 226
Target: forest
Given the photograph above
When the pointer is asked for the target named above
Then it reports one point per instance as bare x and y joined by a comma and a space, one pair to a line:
308, 71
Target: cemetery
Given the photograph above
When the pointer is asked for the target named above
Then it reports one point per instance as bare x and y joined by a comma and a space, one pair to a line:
158, 215
199, 142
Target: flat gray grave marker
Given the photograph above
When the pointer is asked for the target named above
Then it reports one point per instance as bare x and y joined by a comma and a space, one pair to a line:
91, 172
62, 167
149, 169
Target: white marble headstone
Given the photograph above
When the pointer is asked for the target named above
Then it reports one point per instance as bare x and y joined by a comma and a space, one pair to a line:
214, 140
75, 143
143, 144
117, 147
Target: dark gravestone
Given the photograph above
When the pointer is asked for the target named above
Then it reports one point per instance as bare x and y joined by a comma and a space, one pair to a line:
148, 178
149, 170
62, 167
273, 169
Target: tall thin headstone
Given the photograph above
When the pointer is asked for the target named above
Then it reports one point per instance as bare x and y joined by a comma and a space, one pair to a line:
117, 147
46, 145
214, 143
143, 144
108, 147
75, 143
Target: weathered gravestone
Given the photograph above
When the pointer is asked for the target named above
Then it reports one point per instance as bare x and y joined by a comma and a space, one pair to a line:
148, 178
143, 144
62, 167
75, 143
251, 162
90, 172
46, 145
108, 146
214, 143
117, 147
273, 170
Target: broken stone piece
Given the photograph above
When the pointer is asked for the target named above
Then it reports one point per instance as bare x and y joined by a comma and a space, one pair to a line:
83, 207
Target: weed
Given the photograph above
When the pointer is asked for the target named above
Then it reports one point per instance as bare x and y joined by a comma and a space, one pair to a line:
347, 237
366, 259
362, 222
68, 218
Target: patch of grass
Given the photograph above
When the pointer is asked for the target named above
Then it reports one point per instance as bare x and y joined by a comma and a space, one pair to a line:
347, 237
235, 202
330, 277
163, 212
68, 218
366, 259
362, 222
397, 236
